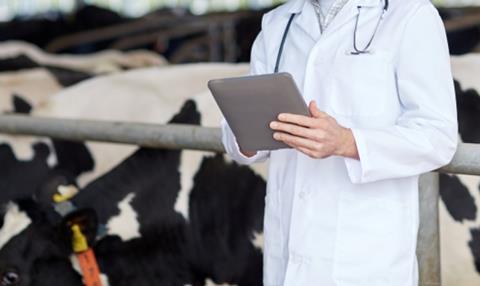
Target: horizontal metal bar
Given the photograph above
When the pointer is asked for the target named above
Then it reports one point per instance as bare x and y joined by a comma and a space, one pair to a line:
466, 160
171, 136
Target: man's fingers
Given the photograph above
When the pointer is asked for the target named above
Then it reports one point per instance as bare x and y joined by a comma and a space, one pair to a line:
296, 130
295, 141
297, 119
314, 111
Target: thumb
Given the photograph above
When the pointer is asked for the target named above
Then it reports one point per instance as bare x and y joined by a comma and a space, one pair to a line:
314, 111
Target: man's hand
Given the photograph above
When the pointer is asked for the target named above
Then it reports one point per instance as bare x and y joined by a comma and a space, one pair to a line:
248, 154
319, 136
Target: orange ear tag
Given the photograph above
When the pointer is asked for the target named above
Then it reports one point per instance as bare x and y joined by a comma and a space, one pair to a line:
89, 266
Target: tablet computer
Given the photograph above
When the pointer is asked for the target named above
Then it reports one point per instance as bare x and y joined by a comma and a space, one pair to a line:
250, 103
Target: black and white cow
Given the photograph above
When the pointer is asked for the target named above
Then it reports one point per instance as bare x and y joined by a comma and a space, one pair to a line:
35, 75
154, 95
459, 213
219, 248
106, 61
147, 241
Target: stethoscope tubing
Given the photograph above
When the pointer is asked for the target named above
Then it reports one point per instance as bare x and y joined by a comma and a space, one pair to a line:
356, 51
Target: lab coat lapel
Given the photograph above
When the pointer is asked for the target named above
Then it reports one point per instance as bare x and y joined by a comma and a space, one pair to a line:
349, 13
307, 20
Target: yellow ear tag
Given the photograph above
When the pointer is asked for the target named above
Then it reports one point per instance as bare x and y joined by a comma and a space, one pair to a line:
79, 241
64, 193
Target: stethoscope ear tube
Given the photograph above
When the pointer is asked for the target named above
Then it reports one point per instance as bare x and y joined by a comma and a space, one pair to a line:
282, 44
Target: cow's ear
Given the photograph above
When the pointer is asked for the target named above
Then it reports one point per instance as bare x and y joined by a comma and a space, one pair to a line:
73, 157
20, 104
188, 114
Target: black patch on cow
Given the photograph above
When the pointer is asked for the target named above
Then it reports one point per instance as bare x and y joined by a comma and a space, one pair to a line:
468, 106
73, 157
474, 245
457, 198
158, 257
463, 41
460, 41
67, 77
18, 179
146, 171
226, 207
21, 62
55, 271
21, 105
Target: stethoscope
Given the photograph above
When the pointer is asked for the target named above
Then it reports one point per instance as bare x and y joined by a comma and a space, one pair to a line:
356, 50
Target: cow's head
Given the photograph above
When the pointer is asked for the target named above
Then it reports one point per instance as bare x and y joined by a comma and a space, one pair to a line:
34, 251
37, 248
27, 219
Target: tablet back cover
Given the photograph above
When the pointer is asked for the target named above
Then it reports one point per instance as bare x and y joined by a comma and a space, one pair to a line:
250, 103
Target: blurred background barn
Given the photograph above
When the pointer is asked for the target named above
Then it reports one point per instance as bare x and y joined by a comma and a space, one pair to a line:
158, 217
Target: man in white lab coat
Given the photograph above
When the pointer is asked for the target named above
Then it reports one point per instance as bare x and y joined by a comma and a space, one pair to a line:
342, 204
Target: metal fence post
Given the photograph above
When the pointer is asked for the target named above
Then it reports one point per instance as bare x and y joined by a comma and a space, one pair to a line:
428, 243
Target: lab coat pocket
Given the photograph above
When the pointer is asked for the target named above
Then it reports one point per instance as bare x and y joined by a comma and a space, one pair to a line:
375, 243
272, 226
362, 85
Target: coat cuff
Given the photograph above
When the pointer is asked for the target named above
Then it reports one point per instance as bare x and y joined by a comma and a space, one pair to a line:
233, 149
358, 169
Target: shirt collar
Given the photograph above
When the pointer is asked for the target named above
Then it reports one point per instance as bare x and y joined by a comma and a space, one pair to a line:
296, 6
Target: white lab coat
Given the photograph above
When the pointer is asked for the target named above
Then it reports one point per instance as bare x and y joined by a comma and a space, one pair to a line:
339, 221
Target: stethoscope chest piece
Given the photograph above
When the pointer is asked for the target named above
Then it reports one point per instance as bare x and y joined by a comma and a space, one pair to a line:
356, 50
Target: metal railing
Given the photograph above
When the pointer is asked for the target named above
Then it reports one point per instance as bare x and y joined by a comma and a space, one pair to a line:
178, 136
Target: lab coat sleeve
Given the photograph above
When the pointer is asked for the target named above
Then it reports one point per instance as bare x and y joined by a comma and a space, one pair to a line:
424, 137
257, 66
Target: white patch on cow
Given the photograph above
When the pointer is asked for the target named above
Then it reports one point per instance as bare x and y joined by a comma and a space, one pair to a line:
125, 225
457, 259
190, 162
15, 221
150, 95
52, 159
465, 70
33, 85
258, 240
105, 61
22, 147
76, 267
67, 191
